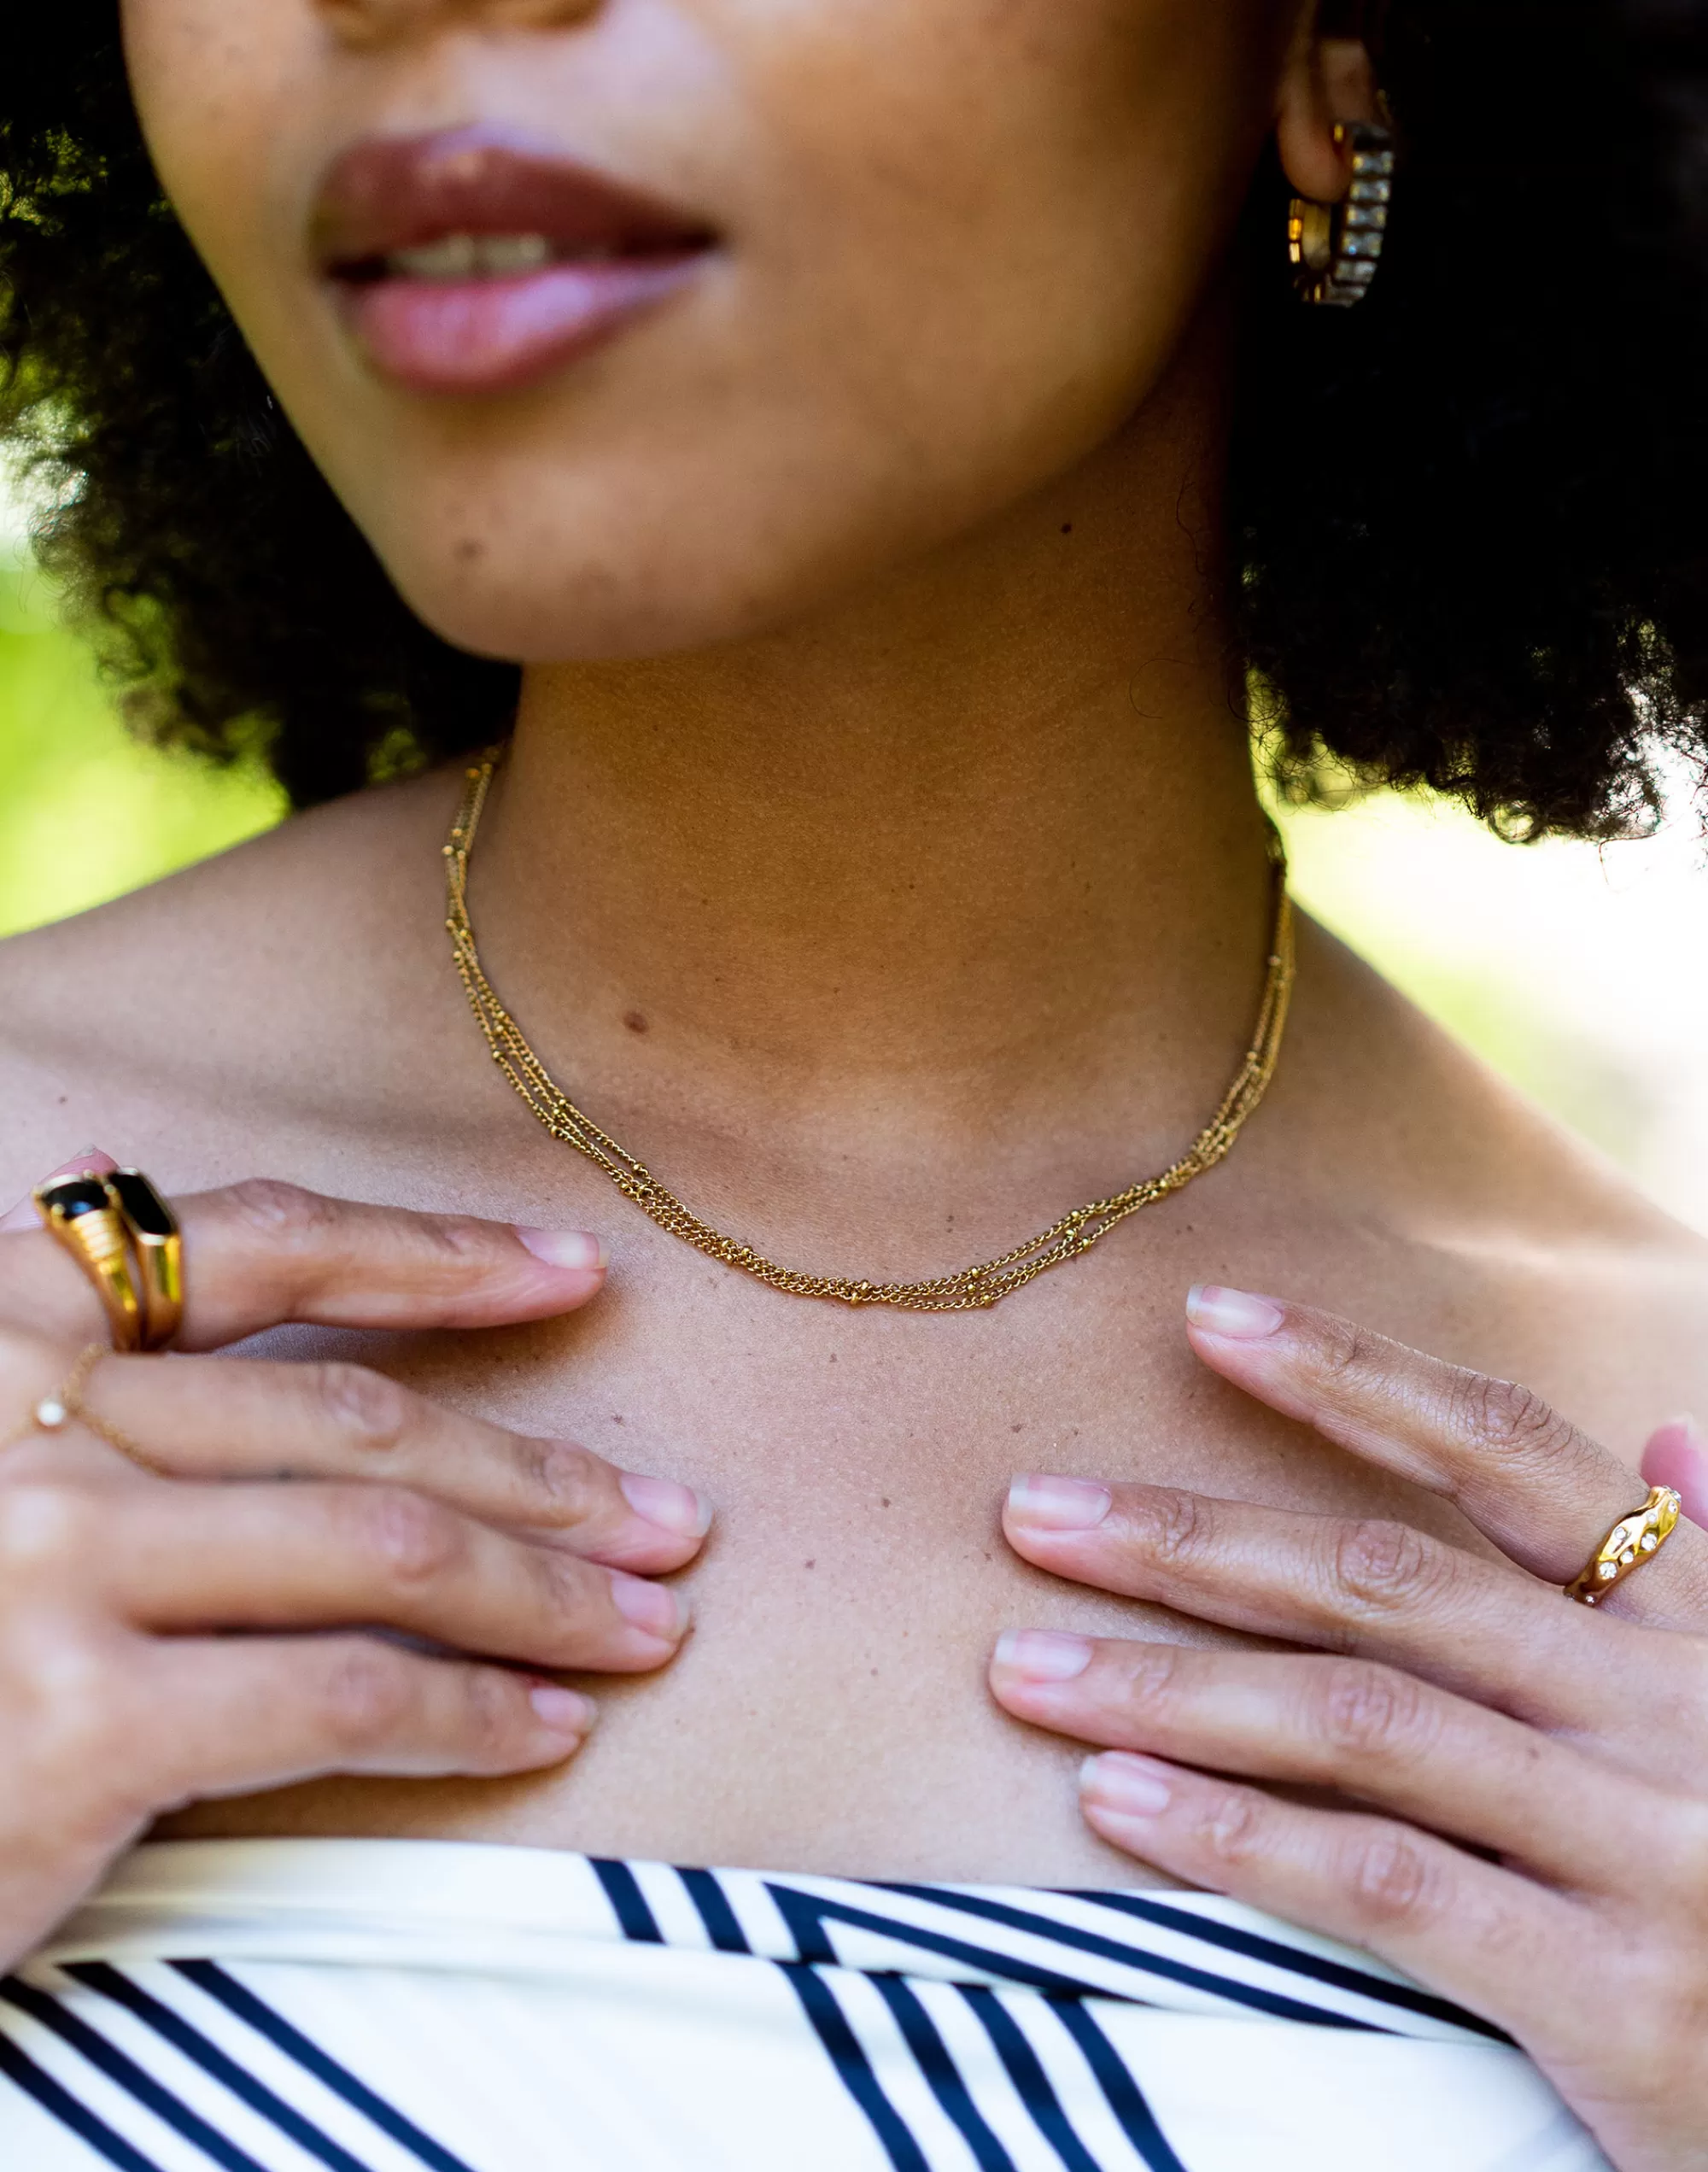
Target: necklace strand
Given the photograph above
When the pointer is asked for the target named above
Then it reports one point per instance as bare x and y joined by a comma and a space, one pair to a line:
971, 1288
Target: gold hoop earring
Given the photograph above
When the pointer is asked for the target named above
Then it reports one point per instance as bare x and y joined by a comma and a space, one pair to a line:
1334, 249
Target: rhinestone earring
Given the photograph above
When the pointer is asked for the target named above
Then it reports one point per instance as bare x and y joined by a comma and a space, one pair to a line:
1334, 247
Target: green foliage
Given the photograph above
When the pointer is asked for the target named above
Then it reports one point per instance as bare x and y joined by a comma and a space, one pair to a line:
85, 813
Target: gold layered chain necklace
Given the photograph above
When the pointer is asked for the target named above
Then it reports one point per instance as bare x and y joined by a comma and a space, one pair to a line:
969, 1288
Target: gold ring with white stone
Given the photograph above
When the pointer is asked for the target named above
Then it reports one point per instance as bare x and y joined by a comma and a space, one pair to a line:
1635, 1539
66, 1406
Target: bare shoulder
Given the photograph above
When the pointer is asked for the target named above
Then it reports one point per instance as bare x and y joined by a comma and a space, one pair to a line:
1532, 1254
219, 1003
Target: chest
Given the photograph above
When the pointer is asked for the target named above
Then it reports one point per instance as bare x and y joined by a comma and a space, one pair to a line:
829, 1711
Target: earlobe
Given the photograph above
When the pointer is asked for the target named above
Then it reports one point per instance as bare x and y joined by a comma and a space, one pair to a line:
1329, 83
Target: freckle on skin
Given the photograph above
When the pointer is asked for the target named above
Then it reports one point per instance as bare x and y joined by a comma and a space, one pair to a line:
1016, 1429
636, 1020
808, 1565
467, 550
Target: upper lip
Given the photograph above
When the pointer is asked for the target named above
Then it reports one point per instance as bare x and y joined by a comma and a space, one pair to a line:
400, 192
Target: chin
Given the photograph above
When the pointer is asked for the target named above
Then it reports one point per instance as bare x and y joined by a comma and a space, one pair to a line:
567, 610
550, 592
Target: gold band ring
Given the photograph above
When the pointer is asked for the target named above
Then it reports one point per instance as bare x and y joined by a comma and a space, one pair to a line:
126, 1240
1635, 1539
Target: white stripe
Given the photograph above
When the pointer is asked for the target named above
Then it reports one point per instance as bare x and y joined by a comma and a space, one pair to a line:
263, 2061
107, 2099
674, 1912
898, 2077
1003, 2109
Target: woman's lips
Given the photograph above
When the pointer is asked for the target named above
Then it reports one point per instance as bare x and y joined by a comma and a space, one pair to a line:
493, 335
466, 264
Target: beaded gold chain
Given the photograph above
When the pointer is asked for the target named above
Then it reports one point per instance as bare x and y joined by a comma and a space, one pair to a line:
969, 1288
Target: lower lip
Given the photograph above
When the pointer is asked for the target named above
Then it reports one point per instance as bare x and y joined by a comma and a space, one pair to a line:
477, 335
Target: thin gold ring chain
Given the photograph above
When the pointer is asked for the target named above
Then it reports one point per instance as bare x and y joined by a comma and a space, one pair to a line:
971, 1288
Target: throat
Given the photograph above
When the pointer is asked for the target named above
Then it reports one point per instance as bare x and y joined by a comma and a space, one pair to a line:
967, 876
971, 1288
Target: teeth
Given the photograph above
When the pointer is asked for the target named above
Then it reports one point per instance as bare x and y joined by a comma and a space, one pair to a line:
473, 257
509, 253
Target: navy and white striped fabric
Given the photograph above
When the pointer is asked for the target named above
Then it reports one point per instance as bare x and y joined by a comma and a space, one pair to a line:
388, 2006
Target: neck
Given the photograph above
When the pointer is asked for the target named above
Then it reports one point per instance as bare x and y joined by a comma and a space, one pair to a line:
982, 839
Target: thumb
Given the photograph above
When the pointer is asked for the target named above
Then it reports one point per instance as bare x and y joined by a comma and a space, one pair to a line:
24, 1214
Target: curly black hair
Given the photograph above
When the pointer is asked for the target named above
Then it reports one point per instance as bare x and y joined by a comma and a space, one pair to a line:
1467, 518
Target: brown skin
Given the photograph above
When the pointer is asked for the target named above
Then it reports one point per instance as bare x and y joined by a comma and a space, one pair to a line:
877, 855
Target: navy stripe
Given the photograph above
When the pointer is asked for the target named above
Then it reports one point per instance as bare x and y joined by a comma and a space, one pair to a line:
1255, 1948
806, 1916
712, 1902
1134, 1957
830, 2025
98, 1975
622, 1890
238, 1998
125, 2072
942, 2076
1030, 2082
1126, 2098
59, 2103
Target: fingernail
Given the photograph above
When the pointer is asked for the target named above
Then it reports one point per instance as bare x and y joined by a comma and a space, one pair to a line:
567, 1712
652, 1607
24, 1215
675, 1508
563, 1247
1132, 1787
1043, 1655
1058, 1504
1232, 1312
1677, 1455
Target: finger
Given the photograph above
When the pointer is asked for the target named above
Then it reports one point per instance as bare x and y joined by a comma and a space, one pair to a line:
1543, 1491
192, 1560
232, 1717
1372, 1733
1483, 1936
245, 1418
25, 1216
1676, 1456
260, 1254
1371, 1588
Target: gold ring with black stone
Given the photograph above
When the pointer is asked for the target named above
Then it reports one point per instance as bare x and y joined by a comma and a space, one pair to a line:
158, 1248
84, 1213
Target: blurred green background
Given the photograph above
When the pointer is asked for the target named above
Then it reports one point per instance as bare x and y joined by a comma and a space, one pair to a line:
1581, 975
85, 812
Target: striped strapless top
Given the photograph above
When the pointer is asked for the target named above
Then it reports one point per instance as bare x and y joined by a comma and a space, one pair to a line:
392, 2006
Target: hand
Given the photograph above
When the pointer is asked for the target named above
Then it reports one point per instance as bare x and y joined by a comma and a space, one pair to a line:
123, 1692
1458, 1703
